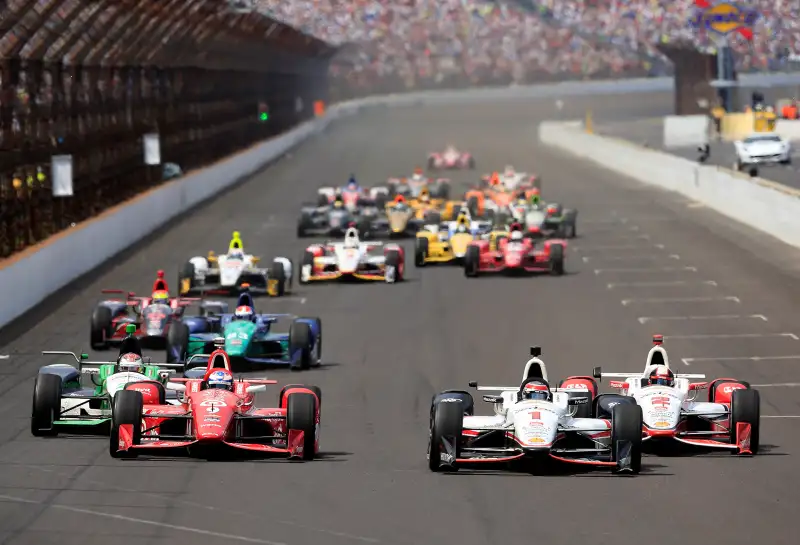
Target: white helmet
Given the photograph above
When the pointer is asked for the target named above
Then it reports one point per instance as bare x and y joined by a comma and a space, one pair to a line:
131, 363
516, 235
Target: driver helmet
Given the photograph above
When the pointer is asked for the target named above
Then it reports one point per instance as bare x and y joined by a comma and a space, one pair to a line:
338, 202
160, 297
495, 179
245, 313
417, 174
516, 235
221, 378
425, 195
662, 376
538, 392
509, 170
236, 254
535, 199
521, 201
131, 363
399, 199
352, 184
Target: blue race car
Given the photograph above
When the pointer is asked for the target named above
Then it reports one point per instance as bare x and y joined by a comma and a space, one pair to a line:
248, 338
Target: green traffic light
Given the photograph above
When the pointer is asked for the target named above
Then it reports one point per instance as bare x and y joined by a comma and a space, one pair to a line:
264, 116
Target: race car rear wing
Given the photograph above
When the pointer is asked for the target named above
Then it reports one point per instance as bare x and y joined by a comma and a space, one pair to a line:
475, 385
597, 373
87, 367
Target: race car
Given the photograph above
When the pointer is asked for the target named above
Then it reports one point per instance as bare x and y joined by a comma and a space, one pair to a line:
334, 219
412, 186
402, 218
511, 179
152, 316
353, 196
450, 158
249, 339
728, 419
448, 242
515, 255
217, 416
62, 405
532, 424
225, 274
353, 259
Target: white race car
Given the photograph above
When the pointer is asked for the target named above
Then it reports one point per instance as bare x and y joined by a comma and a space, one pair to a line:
230, 273
532, 423
762, 149
512, 179
729, 419
353, 259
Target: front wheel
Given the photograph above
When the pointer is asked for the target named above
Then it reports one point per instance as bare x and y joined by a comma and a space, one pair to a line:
127, 411
46, 405
301, 416
626, 438
557, 260
421, 251
472, 262
300, 346
278, 273
394, 267
444, 447
306, 269
745, 421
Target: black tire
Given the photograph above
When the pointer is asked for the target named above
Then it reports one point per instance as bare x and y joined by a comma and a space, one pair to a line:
472, 206
472, 262
448, 423
278, 272
316, 358
301, 414
187, 273
433, 218
100, 327
467, 402
177, 342
746, 409
322, 200
420, 251
626, 433
556, 260
46, 405
128, 406
308, 259
603, 405
364, 229
300, 339
316, 389
394, 259
444, 191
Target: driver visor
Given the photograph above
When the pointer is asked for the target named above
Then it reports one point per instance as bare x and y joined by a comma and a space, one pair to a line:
661, 381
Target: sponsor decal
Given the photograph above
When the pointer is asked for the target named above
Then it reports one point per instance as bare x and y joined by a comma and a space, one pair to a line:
211, 419
212, 410
661, 424
535, 415
450, 400
537, 440
661, 402
212, 402
731, 388
211, 426
724, 18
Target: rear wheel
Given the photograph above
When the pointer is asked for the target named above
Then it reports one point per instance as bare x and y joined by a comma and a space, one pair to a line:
278, 273
444, 447
186, 278
316, 359
306, 269
46, 405
100, 328
626, 438
394, 267
128, 405
177, 342
300, 345
301, 415
745, 410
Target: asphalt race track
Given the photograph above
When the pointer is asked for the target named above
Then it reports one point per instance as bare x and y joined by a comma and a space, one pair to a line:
645, 262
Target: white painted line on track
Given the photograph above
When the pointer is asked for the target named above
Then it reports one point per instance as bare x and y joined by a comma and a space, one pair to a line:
645, 319
586, 259
665, 284
144, 522
777, 385
626, 302
689, 361
647, 270
4, 357
618, 247
735, 336
780, 416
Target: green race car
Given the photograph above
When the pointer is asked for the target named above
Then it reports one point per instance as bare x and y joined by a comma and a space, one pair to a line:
61, 402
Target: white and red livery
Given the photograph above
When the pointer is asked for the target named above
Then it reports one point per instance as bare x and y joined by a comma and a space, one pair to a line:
208, 422
532, 423
728, 419
449, 159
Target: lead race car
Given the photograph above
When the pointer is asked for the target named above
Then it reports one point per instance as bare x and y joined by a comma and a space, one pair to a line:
226, 273
450, 158
353, 259
729, 419
62, 404
216, 416
532, 423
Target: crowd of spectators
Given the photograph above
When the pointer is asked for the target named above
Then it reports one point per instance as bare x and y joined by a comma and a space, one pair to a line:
425, 43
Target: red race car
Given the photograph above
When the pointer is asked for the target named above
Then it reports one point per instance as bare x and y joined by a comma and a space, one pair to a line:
517, 254
151, 315
450, 158
217, 416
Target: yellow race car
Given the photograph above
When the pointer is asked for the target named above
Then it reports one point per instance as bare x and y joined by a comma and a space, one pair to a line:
447, 242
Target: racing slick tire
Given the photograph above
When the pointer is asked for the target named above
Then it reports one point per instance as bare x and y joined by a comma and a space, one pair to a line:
177, 342
301, 415
316, 359
603, 405
447, 427
472, 262
300, 339
420, 251
746, 409
278, 272
394, 267
308, 260
322, 200
46, 405
443, 191
556, 260
472, 206
433, 217
626, 438
467, 402
316, 389
100, 327
186, 276
128, 405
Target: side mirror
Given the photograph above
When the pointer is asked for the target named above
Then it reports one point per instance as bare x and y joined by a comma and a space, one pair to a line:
536, 351
597, 373
256, 388
176, 387
473, 384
